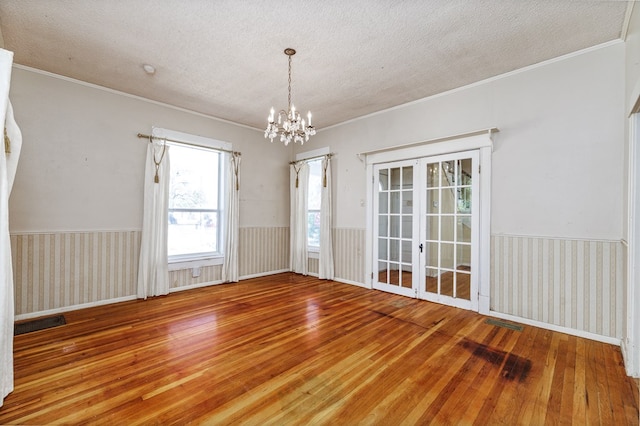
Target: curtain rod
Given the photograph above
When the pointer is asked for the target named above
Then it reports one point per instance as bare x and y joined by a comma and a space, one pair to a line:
142, 135
329, 155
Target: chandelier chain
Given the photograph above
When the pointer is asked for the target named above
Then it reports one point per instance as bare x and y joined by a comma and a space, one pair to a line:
289, 82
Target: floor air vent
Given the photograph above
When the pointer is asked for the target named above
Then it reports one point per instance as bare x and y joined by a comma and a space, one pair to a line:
38, 324
508, 325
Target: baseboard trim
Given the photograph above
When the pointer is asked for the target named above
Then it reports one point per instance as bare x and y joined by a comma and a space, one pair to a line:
263, 274
629, 361
558, 328
342, 280
73, 308
193, 286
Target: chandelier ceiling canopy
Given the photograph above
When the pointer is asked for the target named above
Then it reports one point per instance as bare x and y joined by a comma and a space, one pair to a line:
289, 125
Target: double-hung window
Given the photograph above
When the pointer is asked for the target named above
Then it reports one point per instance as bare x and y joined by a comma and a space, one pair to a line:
313, 204
196, 196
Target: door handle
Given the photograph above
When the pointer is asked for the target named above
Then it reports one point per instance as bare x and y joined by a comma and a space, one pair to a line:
420, 247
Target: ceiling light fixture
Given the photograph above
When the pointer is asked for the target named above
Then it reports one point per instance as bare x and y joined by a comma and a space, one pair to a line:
289, 126
149, 69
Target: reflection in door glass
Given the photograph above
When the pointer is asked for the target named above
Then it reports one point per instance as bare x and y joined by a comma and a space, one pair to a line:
463, 256
463, 284
447, 177
432, 280
383, 202
395, 178
394, 250
433, 228
407, 178
446, 283
463, 233
433, 175
407, 228
433, 201
395, 201
432, 254
447, 228
394, 230
383, 179
447, 252
383, 223
383, 272
382, 249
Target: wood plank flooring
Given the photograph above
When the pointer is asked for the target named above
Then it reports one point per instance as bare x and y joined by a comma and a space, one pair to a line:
288, 349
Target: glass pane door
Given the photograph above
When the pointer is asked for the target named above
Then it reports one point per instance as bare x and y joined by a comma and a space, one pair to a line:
395, 252
448, 229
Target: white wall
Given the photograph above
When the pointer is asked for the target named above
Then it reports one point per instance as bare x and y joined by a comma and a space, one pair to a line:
633, 58
82, 165
557, 162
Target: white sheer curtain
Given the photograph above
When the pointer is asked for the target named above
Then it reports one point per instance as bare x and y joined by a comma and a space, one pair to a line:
299, 221
325, 263
153, 270
232, 181
9, 154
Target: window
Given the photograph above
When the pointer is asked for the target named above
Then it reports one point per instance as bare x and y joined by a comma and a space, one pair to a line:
195, 203
314, 202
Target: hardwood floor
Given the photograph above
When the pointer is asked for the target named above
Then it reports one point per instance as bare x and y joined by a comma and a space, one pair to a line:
288, 349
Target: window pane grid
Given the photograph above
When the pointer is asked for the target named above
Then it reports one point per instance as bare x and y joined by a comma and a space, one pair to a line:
195, 202
394, 213
448, 216
314, 202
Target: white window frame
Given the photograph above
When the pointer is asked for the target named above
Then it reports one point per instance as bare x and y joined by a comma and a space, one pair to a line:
313, 252
179, 262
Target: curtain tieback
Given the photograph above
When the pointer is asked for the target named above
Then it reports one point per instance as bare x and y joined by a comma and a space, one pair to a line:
7, 142
157, 163
297, 170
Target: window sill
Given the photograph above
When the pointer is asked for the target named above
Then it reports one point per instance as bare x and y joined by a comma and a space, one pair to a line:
179, 264
313, 252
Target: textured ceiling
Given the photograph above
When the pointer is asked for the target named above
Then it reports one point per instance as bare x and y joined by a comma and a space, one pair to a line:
225, 58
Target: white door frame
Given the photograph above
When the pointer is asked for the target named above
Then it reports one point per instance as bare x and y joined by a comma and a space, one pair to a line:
481, 141
630, 344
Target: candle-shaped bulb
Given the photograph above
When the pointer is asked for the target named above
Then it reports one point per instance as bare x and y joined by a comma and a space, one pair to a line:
309, 117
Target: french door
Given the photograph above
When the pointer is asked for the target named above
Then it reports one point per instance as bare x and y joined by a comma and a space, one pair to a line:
395, 223
426, 228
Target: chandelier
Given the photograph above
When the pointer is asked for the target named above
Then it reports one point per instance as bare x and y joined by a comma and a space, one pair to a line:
289, 126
